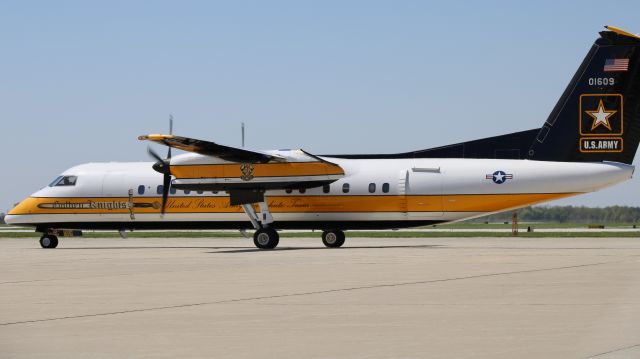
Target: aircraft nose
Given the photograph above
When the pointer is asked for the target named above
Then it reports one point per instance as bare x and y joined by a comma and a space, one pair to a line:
13, 216
9, 219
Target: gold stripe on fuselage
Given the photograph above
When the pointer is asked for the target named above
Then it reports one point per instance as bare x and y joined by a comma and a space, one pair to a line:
287, 204
288, 169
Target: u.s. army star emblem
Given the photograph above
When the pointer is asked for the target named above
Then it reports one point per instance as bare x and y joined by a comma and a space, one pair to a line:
601, 116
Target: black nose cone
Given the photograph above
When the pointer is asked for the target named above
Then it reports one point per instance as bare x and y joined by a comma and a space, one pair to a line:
161, 166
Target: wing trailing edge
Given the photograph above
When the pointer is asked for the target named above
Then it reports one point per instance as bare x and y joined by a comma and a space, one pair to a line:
208, 148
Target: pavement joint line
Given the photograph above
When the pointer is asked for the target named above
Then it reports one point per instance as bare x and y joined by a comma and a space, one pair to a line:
613, 351
289, 295
455, 304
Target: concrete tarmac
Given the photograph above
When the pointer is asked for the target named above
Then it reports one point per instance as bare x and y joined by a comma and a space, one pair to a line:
374, 298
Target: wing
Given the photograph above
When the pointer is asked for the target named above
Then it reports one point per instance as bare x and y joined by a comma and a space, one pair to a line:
207, 148
245, 174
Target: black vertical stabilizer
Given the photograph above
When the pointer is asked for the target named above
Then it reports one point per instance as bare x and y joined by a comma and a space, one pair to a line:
598, 116
596, 119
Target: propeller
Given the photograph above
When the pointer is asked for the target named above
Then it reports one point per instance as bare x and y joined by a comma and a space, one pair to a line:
163, 166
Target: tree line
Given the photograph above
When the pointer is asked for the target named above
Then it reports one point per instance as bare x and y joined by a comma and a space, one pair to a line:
570, 214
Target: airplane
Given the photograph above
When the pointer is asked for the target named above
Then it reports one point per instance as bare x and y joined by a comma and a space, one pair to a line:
587, 143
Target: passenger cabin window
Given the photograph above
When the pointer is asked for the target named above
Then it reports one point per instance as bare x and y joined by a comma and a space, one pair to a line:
64, 181
385, 188
326, 188
345, 188
161, 187
372, 187
140, 189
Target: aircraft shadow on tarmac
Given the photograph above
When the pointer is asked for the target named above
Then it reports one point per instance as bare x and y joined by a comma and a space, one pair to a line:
145, 247
235, 249
250, 250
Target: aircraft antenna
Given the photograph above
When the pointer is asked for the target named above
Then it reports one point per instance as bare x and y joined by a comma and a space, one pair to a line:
242, 133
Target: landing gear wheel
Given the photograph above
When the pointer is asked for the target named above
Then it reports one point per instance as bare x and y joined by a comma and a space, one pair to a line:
266, 238
333, 238
48, 241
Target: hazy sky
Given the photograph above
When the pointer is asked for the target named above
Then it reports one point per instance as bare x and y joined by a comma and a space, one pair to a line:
81, 80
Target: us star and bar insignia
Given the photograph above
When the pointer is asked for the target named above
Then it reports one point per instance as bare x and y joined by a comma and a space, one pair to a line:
499, 177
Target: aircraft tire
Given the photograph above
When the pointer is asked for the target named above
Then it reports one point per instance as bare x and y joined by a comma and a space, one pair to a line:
266, 238
333, 238
48, 241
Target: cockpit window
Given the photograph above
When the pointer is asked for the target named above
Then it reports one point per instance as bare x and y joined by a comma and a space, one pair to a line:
64, 181
53, 183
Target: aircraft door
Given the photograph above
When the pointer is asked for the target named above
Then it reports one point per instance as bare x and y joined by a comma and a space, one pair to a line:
113, 185
424, 193
403, 178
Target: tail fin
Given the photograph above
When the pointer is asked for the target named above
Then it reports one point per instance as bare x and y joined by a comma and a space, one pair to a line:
598, 116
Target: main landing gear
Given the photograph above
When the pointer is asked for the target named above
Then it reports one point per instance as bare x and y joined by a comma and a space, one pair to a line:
333, 238
266, 237
48, 241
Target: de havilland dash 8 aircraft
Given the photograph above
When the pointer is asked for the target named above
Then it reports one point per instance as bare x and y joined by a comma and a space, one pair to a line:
588, 142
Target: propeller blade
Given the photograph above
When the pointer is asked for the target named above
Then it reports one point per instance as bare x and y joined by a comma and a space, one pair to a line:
166, 185
163, 165
153, 154
171, 133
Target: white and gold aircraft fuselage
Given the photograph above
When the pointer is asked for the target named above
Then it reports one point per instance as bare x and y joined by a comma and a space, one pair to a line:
373, 194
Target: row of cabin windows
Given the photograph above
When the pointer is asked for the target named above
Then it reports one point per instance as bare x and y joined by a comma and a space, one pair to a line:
346, 188
141, 190
325, 189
